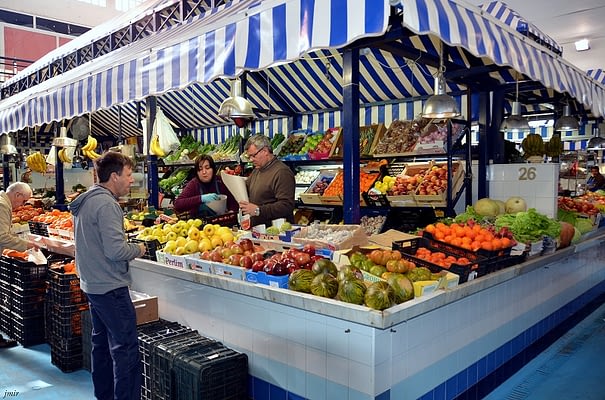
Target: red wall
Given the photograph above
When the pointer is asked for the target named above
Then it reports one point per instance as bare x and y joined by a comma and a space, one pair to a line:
29, 45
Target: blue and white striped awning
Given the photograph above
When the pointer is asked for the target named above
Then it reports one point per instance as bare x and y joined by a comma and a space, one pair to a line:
240, 35
512, 18
597, 74
290, 51
460, 24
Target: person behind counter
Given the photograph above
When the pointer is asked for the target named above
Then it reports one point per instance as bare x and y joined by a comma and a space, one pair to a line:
203, 189
596, 181
102, 256
270, 186
16, 195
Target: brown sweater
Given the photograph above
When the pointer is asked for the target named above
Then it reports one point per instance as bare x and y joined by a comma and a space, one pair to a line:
272, 189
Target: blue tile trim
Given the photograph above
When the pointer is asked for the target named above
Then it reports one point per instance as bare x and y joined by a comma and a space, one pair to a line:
496, 367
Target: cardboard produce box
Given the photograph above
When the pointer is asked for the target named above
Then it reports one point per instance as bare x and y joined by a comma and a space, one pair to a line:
145, 306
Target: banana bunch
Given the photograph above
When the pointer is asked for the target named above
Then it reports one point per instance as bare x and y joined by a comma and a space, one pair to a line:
155, 148
64, 157
36, 162
89, 148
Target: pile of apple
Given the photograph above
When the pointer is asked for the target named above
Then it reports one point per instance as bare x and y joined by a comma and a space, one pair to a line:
244, 254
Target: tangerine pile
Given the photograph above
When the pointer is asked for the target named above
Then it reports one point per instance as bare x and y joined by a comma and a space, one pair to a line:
440, 258
56, 219
468, 237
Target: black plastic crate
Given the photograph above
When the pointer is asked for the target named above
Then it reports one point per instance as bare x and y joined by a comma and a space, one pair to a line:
151, 246
6, 322
66, 362
149, 335
27, 302
162, 361
459, 250
478, 266
22, 273
66, 354
64, 289
65, 321
28, 331
212, 374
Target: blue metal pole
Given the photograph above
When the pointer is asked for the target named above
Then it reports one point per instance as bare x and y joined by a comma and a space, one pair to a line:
350, 118
152, 160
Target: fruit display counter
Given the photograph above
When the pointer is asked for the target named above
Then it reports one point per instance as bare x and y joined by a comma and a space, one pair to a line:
446, 341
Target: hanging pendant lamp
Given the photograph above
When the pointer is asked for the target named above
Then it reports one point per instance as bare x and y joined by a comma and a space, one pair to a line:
567, 122
515, 123
236, 107
440, 105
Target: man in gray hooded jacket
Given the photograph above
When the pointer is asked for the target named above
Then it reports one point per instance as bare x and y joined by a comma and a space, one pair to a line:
102, 256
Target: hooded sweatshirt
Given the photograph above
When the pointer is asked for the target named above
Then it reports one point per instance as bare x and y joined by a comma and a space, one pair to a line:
102, 251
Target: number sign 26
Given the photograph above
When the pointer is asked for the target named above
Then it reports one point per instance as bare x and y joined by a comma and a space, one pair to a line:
527, 173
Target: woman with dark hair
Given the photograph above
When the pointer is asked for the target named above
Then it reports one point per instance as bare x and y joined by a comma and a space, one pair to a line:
203, 189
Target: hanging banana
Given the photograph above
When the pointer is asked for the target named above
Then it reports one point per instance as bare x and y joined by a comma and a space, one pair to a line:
36, 162
155, 148
91, 144
64, 157
93, 155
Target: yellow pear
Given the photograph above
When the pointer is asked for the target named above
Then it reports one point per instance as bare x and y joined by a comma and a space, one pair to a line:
204, 245
179, 251
216, 241
170, 247
193, 233
191, 247
181, 241
209, 229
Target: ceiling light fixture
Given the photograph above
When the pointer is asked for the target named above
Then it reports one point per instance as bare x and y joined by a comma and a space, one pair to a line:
236, 108
440, 105
567, 122
515, 123
582, 45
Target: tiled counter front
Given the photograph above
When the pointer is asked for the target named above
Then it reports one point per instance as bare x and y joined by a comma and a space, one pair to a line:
300, 346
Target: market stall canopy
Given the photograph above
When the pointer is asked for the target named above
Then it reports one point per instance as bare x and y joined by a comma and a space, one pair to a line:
186, 55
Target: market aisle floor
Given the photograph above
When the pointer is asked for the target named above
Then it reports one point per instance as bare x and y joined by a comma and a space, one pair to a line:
571, 368
27, 373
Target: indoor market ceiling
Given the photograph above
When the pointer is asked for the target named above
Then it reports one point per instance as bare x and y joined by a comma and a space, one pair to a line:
567, 22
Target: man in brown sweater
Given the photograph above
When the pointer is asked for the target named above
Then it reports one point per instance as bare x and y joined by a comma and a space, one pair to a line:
271, 184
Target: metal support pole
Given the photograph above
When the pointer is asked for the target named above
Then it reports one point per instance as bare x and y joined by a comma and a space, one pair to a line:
484, 144
60, 183
350, 114
152, 160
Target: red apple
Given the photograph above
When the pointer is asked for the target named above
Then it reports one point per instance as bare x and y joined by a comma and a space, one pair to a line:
258, 266
257, 257
216, 255
301, 258
246, 262
234, 259
246, 244
236, 249
309, 249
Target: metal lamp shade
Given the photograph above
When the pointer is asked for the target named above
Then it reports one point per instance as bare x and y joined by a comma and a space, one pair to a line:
515, 122
236, 107
440, 105
567, 122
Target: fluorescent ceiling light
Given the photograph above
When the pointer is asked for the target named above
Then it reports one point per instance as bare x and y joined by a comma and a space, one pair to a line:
582, 45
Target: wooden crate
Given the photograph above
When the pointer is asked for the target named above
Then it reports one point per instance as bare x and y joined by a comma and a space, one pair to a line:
368, 149
310, 197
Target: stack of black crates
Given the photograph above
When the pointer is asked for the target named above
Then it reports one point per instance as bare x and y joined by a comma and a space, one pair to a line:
180, 364
65, 302
22, 288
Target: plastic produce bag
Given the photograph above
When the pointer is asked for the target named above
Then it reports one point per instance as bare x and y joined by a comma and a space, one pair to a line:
169, 141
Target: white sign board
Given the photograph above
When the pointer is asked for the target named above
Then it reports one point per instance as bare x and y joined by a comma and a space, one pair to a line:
538, 184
